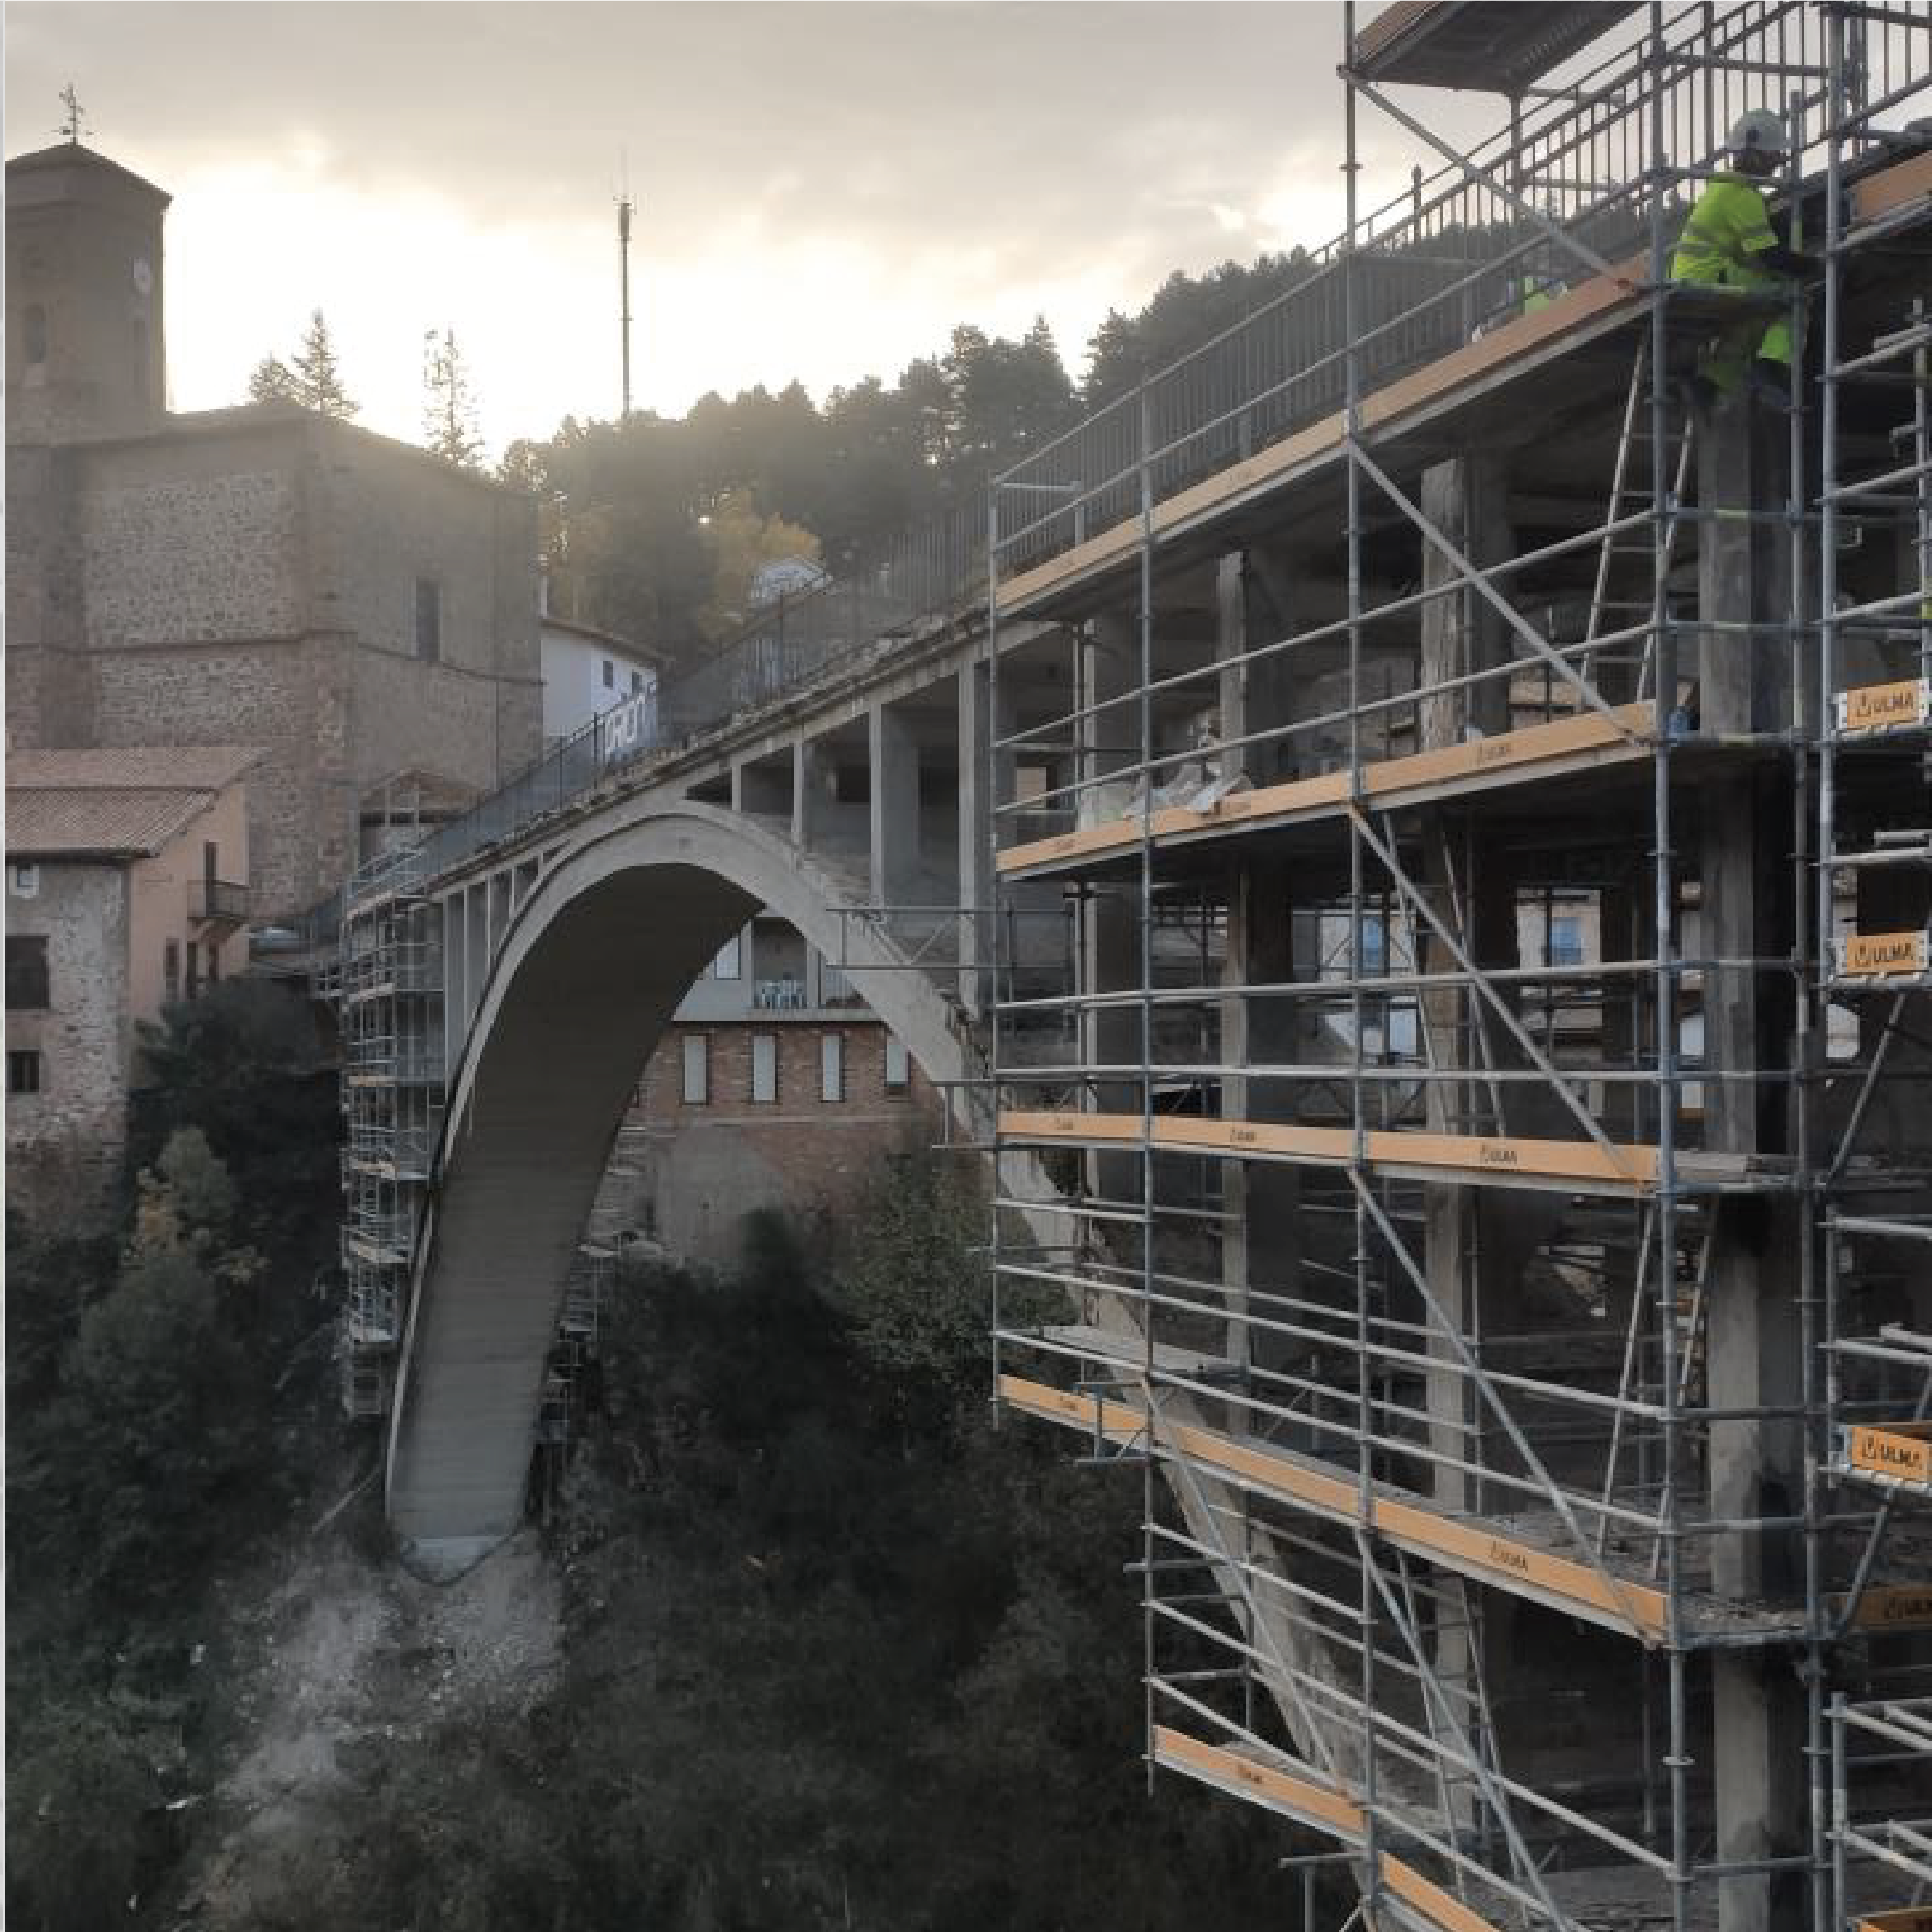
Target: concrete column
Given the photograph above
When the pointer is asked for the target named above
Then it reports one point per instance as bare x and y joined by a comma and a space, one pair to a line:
811, 793
977, 880
1108, 660
1890, 898
500, 909
476, 950
1476, 1240
1253, 696
456, 994
1751, 1345
892, 753
1620, 918
1261, 1236
1467, 498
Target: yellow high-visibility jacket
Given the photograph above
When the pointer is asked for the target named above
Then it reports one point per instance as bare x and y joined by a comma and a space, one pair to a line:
1729, 229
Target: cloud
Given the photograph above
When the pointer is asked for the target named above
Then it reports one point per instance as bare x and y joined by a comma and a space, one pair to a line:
822, 190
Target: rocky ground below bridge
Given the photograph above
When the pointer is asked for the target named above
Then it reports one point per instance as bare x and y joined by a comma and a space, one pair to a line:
337, 1662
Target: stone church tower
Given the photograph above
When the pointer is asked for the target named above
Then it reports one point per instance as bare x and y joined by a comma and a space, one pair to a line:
86, 355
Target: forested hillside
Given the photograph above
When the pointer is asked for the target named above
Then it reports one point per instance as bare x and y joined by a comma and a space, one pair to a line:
653, 527
807, 1641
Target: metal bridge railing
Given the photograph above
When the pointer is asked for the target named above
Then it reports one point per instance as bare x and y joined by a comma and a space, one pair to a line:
1541, 205
924, 574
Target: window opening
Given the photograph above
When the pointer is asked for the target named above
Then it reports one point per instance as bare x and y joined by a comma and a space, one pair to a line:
27, 973
429, 620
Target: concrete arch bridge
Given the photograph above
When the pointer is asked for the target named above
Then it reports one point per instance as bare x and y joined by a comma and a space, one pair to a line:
530, 983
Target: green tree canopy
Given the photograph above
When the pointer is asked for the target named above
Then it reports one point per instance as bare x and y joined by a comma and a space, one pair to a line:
449, 406
312, 378
245, 1065
273, 381
318, 375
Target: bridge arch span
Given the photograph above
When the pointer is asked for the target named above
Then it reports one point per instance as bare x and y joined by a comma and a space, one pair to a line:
587, 977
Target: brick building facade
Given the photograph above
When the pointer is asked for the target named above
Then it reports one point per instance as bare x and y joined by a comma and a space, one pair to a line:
687, 1172
774, 1086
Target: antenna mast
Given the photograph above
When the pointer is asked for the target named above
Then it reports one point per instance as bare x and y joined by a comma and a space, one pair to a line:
624, 284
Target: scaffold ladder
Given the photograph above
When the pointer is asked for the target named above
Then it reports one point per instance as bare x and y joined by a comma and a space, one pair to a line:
1629, 499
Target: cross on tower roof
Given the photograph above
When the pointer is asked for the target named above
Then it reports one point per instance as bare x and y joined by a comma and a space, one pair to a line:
75, 124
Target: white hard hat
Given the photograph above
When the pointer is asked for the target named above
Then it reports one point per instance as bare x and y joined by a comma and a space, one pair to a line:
1761, 128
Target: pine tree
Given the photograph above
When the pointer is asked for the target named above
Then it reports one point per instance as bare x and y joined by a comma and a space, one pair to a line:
318, 381
448, 408
273, 381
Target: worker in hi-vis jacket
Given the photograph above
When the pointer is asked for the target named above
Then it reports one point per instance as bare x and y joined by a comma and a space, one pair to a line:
1729, 242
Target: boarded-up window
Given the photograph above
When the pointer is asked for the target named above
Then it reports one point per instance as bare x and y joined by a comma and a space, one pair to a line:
764, 1068
27, 974
697, 1069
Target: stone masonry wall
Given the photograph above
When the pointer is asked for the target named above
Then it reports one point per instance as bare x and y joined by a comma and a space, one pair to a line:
397, 515
49, 690
474, 729
65, 1143
248, 576
192, 560
285, 697
474, 715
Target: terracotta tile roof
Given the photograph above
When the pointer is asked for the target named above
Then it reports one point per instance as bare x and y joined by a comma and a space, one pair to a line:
119, 803
199, 768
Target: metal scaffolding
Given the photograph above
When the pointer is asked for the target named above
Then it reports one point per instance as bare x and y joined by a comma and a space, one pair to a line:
388, 983
389, 991
1478, 1171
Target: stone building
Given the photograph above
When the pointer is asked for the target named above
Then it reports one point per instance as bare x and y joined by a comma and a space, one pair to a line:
126, 887
360, 610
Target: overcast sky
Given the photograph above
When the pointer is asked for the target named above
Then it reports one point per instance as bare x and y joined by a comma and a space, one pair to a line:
823, 189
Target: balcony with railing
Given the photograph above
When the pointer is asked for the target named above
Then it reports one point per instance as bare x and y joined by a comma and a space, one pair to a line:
786, 995
218, 902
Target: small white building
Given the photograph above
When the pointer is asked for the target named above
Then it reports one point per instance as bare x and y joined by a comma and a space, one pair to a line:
585, 671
